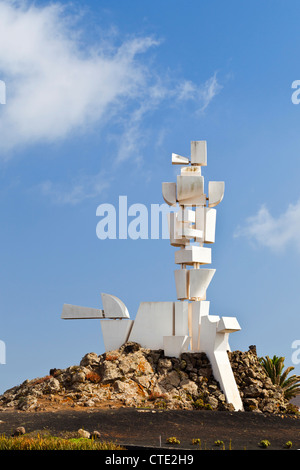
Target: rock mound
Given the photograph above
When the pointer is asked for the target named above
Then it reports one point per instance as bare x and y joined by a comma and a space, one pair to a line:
136, 377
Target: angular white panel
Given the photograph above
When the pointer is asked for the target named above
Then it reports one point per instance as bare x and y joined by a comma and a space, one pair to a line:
228, 325
115, 332
182, 283
199, 152
216, 191
153, 321
181, 320
186, 216
194, 201
197, 310
174, 346
174, 226
187, 232
210, 225
190, 170
200, 221
193, 254
113, 307
189, 187
199, 280
179, 160
73, 312
169, 193
215, 345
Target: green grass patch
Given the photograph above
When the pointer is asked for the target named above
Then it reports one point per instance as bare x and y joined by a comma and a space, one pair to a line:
54, 443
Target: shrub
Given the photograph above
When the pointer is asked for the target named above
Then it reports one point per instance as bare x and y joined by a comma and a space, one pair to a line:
53, 443
173, 440
196, 441
219, 443
264, 443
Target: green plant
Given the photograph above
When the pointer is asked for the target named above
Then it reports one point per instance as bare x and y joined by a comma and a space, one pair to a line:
274, 369
53, 443
219, 443
200, 405
196, 441
288, 444
173, 440
264, 443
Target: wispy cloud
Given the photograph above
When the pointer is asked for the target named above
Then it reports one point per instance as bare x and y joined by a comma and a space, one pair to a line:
163, 94
277, 234
54, 85
79, 189
202, 94
59, 84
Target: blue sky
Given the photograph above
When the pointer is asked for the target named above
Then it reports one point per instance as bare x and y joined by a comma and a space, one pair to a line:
98, 96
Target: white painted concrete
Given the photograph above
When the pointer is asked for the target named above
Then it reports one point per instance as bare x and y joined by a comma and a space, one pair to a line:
153, 321
169, 193
193, 254
199, 280
113, 307
115, 332
73, 312
199, 152
215, 192
175, 345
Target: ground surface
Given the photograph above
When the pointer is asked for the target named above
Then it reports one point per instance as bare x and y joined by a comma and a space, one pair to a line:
137, 427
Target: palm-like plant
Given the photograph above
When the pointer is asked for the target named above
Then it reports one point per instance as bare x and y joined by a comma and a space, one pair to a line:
274, 369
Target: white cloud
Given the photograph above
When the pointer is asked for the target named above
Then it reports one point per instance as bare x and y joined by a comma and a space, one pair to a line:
170, 94
79, 189
53, 85
58, 83
202, 94
275, 233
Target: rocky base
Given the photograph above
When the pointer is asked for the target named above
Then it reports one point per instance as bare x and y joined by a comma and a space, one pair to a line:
136, 377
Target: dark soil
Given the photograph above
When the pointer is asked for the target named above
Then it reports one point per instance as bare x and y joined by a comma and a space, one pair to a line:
149, 428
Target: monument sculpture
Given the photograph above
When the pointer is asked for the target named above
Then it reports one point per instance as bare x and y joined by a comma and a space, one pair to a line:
185, 324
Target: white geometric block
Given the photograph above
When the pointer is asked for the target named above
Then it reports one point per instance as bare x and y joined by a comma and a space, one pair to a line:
179, 160
186, 216
215, 345
184, 231
194, 326
210, 225
182, 284
197, 310
174, 346
216, 191
169, 193
115, 332
199, 152
193, 254
190, 170
228, 325
189, 187
194, 201
200, 218
113, 307
181, 319
174, 227
199, 280
153, 321
73, 312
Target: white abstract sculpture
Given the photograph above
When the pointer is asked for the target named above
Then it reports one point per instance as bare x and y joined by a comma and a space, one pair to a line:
177, 326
